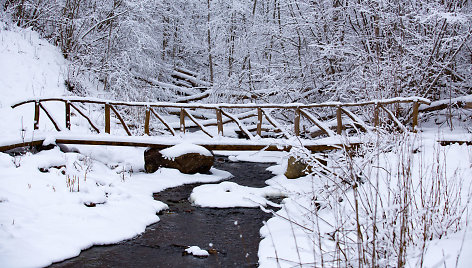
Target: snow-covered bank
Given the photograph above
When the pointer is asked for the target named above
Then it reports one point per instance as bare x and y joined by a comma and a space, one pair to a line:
30, 67
413, 192
55, 204
79, 200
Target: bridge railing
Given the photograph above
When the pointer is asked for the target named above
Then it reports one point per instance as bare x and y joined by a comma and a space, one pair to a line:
223, 114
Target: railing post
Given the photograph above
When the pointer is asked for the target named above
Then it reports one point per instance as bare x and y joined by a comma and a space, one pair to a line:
107, 118
339, 129
296, 124
182, 120
376, 115
259, 121
146, 120
416, 106
68, 115
36, 115
219, 121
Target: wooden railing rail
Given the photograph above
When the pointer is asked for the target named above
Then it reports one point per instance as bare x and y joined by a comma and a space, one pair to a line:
299, 110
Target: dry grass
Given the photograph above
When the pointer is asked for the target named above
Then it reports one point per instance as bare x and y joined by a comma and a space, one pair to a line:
381, 206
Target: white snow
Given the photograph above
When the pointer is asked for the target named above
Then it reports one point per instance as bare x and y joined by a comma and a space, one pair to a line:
196, 251
95, 197
44, 215
30, 68
291, 236
229, 194
184, 148
254, 156
101, 195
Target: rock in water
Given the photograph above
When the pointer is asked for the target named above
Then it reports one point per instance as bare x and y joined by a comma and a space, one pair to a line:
296, 168
187, 158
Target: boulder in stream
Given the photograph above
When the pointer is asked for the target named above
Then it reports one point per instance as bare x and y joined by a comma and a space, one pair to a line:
186, 157
297, 168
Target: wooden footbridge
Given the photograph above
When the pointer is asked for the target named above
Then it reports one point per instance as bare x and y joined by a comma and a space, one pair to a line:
317, 126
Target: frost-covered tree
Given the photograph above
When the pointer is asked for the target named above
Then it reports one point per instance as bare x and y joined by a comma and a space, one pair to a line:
259, 51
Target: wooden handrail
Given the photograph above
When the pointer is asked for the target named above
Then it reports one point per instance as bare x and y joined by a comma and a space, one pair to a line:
298, 109
226, 105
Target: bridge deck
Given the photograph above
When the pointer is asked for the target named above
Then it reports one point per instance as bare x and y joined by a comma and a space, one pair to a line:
221, 143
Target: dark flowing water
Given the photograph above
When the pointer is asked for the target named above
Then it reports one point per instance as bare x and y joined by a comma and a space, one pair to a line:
163, 243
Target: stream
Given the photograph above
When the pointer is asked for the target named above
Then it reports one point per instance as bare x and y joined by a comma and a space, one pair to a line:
231, 235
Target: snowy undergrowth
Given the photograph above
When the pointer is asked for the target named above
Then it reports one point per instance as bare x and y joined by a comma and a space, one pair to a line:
55, 204
398, 203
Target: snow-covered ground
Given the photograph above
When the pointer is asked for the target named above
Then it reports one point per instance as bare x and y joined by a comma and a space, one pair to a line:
440, 179
79, 200
54, 204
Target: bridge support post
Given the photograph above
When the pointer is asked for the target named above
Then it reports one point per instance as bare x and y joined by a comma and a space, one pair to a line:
339, 128
219, 121
376, 115
68, 115
146, 120
36, 115
414, 124
107, 118
296, 124
259, 121
182, 120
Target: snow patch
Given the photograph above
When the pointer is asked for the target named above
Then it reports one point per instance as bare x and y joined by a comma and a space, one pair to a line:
196, 251
184, 148
229, 194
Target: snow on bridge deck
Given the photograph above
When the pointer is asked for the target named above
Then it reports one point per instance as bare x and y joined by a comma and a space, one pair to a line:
161, 142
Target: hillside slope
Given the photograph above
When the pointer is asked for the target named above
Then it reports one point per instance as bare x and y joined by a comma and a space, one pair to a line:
30, 67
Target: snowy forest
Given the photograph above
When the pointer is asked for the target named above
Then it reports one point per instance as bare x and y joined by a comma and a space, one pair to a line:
258, 51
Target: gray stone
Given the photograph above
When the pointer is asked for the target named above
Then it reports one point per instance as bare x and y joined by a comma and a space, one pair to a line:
296, 168
189, 163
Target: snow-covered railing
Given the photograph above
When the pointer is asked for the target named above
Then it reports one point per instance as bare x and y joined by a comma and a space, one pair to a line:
222, 109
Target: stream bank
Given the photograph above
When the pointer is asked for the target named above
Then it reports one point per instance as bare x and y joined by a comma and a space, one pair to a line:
231, 235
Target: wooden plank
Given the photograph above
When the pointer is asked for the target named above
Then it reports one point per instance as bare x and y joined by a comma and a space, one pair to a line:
212, 147
296, 123
146, 120
459, 142
229, 106
163, 122
318, 123
209, 146
241, 116
274, 123
339, 119
36, 115
259, 121
182, 120
397, 122
67, 115
107, 118
50, 117
219, 122
32, 143
121, 120
239, 124
416, 106
86, 117
204, 129
356, 119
